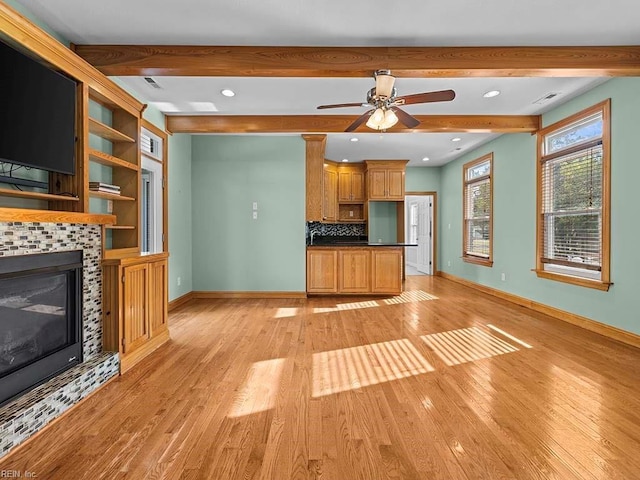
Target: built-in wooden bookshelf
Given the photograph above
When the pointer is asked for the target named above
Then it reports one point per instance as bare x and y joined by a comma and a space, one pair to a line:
37, 195
108, 133
110, 196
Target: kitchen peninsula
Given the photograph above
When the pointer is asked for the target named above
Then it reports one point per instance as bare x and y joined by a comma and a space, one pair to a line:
352, 265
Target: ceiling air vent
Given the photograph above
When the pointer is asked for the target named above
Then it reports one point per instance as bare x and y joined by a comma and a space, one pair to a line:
544, 99
152, 82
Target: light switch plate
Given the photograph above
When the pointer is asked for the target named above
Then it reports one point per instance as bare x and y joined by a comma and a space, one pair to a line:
255, 205
255, 215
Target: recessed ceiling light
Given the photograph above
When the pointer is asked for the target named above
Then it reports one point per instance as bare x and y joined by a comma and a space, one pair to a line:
456, 139
425, 159
345, 159
227, 93
353, 139
491, 93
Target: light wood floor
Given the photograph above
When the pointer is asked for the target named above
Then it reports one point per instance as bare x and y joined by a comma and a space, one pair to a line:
416, 387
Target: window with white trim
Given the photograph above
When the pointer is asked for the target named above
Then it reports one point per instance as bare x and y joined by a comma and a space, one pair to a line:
477, 211
151, 214
573, 199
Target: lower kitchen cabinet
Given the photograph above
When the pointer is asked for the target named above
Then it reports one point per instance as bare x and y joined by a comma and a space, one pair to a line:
354, 274
386, 271
135, 306
354, 270
322, 271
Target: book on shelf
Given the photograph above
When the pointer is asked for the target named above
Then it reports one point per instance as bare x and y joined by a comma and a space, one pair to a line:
104, 187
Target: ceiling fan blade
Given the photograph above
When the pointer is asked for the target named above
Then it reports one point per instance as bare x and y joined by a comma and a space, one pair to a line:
407, 120
427, 97
340, 105
360, 120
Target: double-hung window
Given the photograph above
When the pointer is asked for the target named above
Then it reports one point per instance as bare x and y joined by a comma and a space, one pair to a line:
478, 211
573, 199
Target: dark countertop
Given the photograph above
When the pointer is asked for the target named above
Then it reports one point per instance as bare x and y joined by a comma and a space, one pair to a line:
350, 241
362, 244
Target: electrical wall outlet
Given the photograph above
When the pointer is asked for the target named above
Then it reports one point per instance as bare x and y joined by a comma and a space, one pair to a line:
255, 215
255, 205
448, 263
351, 213
503, 277
179, 281
109, 206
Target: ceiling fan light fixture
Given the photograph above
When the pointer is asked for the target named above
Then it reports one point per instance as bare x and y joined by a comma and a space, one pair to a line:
390, 119
376, 119
384, 83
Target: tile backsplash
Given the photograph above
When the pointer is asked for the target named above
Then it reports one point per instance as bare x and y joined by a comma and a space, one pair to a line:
334, 229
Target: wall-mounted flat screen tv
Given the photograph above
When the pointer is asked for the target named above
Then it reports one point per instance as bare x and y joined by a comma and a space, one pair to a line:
37, 114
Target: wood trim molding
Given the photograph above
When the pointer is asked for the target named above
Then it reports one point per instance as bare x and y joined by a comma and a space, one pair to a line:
26, 35
314, 176
609, 331
28, 215
418, 62
254, 294
182, 300
339, 123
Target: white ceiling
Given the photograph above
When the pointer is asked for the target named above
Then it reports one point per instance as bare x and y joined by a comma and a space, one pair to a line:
352, 23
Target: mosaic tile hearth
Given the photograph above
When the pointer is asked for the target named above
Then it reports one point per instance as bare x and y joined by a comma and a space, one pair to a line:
26, 415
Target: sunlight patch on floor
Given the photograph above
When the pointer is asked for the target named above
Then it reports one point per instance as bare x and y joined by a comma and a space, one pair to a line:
466, 345
351, 368
509, 336
260, 389
286, 312
410, 296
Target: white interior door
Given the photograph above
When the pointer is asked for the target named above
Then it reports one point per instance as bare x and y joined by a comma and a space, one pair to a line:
419, 229
425, 234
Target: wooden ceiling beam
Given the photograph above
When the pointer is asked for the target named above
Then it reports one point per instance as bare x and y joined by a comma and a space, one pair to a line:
413, 62
338, 123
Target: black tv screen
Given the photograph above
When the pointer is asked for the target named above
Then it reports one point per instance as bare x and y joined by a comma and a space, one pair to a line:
37, 114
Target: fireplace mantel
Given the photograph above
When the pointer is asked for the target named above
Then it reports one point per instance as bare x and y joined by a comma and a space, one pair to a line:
29, 215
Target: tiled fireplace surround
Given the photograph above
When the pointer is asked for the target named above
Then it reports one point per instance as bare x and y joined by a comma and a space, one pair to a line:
26, 415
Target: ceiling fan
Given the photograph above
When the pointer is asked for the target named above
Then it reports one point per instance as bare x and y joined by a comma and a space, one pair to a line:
386, 112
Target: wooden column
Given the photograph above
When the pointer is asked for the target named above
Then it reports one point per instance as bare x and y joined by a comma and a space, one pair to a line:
314, 175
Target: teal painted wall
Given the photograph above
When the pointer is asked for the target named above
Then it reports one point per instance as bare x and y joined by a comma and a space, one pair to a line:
231, 251
382, 222
180, 220
514, 215
422, 179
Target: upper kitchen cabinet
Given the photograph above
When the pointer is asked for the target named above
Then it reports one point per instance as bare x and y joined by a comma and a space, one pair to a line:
351, 183
330, 205
385, 179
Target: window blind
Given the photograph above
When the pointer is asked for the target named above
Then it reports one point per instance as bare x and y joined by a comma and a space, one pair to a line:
477, 208
572, 207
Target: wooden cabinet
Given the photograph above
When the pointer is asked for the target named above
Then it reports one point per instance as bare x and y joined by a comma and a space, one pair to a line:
386, 270
330, 204
354, 270
134, 306
351, 184
385, 179
322, 271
